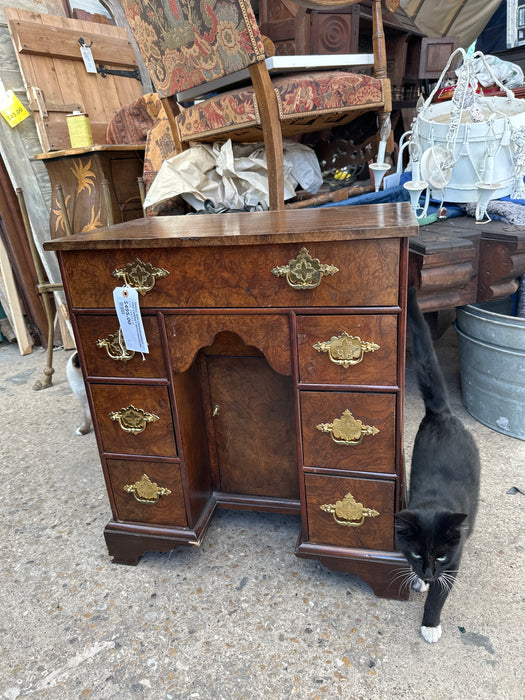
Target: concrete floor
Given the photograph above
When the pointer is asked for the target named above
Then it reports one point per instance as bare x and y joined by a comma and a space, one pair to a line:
241, 617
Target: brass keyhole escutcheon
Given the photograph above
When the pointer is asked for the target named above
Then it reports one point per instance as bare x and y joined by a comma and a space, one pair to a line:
140, 275
133, 420
349, 512
345, 349
347, 430
304, 272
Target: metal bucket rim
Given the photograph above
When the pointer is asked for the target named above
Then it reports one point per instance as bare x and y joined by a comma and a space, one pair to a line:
493, 316
485, 344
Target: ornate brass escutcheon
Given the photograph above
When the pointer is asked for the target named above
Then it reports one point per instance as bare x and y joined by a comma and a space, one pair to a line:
349, 512
133, 420
345, 349
146, 491
347, 430
140, 275
304, 272
115, 347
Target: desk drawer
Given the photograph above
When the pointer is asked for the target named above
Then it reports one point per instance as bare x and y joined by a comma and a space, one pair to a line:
140, 490
134, 419
104, 355
352, 349
327, 517
349, 445
363, 274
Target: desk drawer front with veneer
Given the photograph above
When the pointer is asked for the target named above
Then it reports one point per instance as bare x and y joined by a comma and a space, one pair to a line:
367, 275
351, 349
105, 351
134, 419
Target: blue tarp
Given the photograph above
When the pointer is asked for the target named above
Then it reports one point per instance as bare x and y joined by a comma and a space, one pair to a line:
399, 194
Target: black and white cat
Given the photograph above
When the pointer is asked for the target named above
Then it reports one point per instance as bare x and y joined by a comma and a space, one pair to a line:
444, 484
76, 382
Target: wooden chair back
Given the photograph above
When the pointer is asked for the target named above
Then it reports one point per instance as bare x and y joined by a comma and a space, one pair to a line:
186, 44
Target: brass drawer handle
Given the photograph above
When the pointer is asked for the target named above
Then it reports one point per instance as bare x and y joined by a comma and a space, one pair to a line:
146, 491
133, 420
140, 275
304, 272
345, 349
347, 430
116, 347
349, 512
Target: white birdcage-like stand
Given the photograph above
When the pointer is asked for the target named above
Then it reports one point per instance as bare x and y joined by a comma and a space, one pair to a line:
469, 149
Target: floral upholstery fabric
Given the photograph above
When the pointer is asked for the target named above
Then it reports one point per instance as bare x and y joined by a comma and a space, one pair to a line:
326, 91
159, 147
186, 43
298, 95
146, 121
236, 109
132, 123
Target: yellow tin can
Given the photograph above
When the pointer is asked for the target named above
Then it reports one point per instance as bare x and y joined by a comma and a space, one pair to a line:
79, 130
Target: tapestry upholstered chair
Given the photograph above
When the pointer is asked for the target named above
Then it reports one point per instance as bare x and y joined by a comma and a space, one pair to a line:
208, 63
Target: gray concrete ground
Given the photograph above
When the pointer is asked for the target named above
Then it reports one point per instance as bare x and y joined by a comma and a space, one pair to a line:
241, 617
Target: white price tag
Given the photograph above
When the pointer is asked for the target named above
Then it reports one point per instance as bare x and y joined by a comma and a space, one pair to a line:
88, 59
126, 301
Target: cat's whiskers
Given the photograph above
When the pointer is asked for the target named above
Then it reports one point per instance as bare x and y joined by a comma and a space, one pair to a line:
407, 576
448, 581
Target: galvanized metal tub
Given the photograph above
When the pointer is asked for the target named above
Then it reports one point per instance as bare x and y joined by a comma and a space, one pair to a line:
492, 359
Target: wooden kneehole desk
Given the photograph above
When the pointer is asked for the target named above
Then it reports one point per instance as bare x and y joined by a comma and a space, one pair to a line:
274, 381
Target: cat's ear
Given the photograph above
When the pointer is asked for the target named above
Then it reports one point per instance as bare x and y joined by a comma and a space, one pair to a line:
451, 524
406, 522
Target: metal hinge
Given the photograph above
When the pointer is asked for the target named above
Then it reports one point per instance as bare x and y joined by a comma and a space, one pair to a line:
122, 73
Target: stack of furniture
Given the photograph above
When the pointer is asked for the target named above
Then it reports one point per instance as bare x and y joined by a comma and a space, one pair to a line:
221, 84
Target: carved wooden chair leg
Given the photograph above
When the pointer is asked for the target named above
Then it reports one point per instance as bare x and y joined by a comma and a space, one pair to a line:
142, 192
273, 140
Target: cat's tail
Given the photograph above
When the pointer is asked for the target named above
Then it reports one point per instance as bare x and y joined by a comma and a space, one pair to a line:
430, 377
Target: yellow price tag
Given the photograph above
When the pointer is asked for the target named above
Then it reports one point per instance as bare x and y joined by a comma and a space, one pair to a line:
12, 109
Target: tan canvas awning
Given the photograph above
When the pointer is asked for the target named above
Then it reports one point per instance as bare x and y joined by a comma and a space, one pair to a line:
465, 19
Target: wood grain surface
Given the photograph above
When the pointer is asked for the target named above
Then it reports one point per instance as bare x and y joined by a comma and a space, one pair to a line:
156, 439
169, 509
376, 453
374, 533
376, 368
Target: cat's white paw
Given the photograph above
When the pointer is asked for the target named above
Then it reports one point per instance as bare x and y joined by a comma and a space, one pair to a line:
431, 634
419, 585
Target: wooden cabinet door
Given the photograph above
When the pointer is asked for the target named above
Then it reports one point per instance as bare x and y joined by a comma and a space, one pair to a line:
253, 427
48, 53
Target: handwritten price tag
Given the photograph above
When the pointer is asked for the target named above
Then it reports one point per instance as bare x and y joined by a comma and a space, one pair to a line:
87, 57
128, 311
